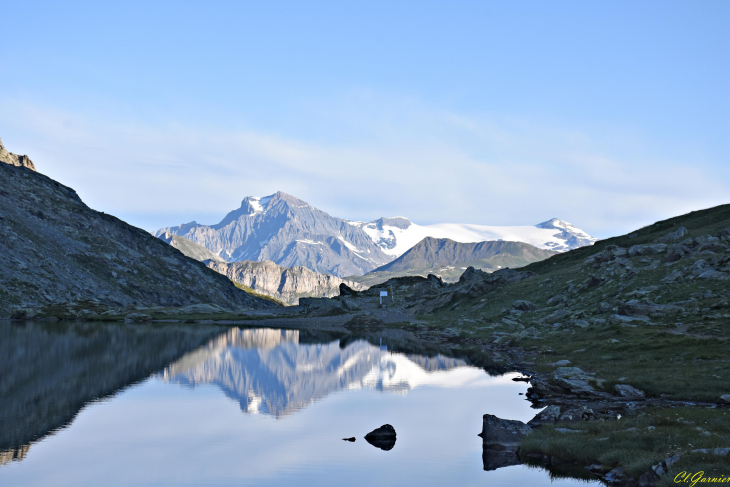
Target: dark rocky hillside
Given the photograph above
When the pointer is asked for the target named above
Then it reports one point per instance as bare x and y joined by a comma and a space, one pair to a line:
54, 249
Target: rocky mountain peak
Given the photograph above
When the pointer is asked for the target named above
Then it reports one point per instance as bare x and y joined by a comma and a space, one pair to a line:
15, 159
397, 222
555, 223
253, 205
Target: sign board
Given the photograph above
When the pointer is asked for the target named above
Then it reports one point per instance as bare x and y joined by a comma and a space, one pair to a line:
383, 293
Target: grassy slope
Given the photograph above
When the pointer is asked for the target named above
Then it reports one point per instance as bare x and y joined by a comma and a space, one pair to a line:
681, 356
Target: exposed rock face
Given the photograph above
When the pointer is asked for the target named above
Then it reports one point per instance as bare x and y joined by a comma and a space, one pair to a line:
14, 159
283, 283
55, 249
190, 249
289, 232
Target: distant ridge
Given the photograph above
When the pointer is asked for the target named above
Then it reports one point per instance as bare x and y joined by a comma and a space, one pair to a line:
449, 259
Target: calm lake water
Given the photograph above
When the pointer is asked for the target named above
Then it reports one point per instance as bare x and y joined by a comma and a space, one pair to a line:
186, 406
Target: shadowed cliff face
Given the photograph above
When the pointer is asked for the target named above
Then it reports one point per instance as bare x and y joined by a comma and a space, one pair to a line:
271, 372
49, 372
283, 283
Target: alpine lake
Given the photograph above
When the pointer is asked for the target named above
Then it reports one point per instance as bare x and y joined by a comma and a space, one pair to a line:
91, 404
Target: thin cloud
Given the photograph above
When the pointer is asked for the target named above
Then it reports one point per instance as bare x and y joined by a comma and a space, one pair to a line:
444, 167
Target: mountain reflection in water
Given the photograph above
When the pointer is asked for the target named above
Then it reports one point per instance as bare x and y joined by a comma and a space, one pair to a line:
87, 404
270, 372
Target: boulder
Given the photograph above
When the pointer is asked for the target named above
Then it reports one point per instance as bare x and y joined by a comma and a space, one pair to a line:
635, 250
383, 437
22, 314
714, 275
549, 415
593, 281
501, 434
136, 318
574, 414
321, 307
556, 316
557, 300
524, 305
676, 252
607, 255
575, 380
675, 235
346, 290
725, 399
625, 390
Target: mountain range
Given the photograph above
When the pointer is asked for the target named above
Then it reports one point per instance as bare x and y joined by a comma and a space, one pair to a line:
396, 235
290, 232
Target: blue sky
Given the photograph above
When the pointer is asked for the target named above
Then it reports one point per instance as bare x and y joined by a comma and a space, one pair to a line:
609, 115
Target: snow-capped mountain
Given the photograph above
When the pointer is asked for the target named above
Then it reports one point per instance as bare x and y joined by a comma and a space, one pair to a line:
396, 235
288, 232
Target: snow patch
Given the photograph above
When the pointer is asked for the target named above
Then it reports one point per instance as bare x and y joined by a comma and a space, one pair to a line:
553, 235
310, 242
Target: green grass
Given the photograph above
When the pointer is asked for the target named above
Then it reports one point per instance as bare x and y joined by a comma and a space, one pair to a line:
658, 434
250, 291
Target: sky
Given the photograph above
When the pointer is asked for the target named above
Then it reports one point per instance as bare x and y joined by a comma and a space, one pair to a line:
608, 115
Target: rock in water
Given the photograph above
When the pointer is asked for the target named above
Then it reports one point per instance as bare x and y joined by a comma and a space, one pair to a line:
383, 437
501, 440
493, 459
351, 439
502, 433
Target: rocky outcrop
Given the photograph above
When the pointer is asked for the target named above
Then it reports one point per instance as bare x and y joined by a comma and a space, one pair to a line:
501, 439
14, 159
287, 284
54, 249
383, 437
